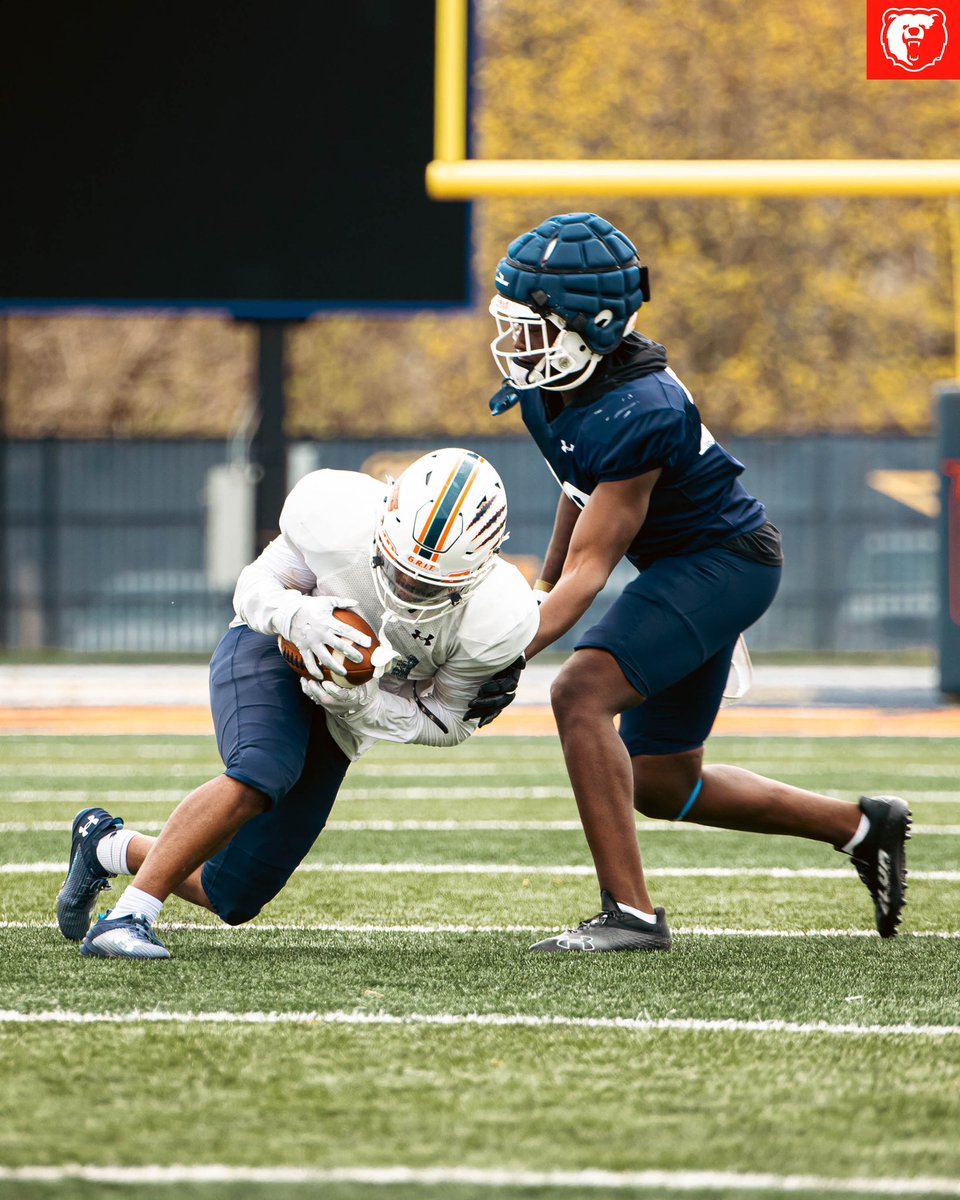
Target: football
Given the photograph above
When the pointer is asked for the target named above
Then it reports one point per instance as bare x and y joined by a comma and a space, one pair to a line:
353, 673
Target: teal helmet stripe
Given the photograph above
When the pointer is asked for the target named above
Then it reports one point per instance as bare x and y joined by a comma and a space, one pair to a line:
449, 502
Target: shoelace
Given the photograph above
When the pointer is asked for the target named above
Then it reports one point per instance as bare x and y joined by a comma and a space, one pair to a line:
602, 918
146, 928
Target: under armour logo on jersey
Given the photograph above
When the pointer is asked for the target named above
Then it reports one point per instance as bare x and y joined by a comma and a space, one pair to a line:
90, 822
566, 447
419, 637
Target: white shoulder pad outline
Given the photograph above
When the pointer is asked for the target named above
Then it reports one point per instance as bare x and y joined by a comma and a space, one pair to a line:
332, 510
502, 615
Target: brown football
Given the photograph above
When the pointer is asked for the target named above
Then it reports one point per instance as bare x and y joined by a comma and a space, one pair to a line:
353, 673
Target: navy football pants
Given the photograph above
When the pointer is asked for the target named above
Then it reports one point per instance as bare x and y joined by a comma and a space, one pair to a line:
672, 631
273, 738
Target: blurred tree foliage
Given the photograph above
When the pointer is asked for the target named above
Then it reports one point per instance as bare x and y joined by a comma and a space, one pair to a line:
783, 316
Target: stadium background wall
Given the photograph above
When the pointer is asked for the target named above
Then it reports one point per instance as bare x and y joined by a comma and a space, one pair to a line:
114, 545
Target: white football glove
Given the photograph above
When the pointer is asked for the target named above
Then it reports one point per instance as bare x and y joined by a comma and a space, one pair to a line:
315, 631
341, 701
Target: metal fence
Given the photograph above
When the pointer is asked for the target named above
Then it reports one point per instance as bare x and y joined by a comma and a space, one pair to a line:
131, 546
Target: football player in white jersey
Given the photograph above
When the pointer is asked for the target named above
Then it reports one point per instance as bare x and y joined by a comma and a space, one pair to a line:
419, 560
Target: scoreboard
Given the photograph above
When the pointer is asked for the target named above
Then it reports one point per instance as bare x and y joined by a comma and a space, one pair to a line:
263, 158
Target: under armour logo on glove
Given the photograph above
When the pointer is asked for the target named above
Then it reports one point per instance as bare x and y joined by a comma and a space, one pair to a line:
418, 636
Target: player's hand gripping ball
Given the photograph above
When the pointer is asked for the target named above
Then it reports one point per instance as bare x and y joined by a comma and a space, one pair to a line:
352, 674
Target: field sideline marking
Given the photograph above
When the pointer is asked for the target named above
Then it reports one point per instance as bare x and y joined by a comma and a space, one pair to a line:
681, 930
525, 721
416, 868
594, 1178
495, 1020
451, 826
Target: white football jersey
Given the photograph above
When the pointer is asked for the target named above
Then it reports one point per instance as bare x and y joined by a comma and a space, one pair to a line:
324, 549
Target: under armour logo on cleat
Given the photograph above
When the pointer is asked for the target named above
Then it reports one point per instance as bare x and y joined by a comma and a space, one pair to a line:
91, 821
575, 941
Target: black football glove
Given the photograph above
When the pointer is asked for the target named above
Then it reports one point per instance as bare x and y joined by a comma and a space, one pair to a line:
494, 695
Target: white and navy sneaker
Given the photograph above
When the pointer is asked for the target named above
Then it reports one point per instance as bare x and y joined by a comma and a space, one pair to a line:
612, 929
86, 878
881, 859
126, 937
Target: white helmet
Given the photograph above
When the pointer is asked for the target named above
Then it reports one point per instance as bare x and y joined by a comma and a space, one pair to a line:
442, 524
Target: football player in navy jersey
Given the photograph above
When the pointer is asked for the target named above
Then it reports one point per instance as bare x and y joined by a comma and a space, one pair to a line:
642, 478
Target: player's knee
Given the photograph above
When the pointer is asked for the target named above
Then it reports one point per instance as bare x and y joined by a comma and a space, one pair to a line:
662, 787
238, 886
240, 913
561, 694
571, 693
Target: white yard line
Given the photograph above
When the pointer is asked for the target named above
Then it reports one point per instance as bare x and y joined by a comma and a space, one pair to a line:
154, 796
78, 797
492, 1177
452, 770
176, 769
678, 930
495, 1020
455, 827
417, 868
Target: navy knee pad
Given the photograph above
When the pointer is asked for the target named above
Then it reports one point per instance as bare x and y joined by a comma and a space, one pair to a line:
238, 885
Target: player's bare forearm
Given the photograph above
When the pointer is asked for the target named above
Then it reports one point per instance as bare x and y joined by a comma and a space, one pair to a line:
600, 537
564, 522
566, 604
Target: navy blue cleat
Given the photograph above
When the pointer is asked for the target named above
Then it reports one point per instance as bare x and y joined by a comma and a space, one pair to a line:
86, 878
125, 937
881, 859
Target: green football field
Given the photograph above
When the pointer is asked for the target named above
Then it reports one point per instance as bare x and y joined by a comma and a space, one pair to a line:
382, 1030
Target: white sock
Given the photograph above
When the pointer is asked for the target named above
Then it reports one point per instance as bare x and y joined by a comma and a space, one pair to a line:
650, 918
133, 901
858, 837
112, 851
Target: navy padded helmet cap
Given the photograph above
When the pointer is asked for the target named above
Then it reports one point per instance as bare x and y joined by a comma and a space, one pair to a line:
577, 265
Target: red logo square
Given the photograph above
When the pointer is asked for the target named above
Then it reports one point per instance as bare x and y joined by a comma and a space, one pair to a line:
913, 41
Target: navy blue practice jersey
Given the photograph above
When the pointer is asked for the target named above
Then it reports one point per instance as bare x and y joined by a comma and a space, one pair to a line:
618, 428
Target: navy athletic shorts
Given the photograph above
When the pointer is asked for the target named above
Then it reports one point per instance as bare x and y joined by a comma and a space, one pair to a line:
273, 738
672, 631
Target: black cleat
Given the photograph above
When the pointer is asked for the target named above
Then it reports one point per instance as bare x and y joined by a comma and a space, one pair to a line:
612, 929
86, 879
881, 859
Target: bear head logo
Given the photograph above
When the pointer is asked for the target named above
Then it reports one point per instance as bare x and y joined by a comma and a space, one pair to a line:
914, 38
